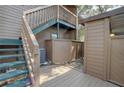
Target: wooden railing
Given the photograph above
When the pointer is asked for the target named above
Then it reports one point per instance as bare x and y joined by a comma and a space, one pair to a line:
41, 15
31, 49
66, 15
38, 16
32, 19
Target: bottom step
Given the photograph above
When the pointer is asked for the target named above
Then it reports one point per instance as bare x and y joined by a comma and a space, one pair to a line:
20, 83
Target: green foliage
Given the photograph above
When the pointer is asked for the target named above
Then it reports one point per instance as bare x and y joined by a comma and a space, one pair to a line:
91, 10
85, 11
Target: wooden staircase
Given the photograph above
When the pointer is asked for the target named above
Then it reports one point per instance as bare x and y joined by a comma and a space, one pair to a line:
35, 21
21, 67
13, 66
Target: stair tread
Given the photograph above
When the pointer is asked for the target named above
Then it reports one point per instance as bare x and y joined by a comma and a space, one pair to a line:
10, 41
11, 64
11, 49
20, 83
12, 74
10, 56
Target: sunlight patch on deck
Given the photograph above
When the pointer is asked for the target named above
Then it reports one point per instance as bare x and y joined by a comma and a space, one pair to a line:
52, 72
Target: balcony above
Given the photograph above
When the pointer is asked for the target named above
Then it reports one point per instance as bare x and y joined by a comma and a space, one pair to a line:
43, 18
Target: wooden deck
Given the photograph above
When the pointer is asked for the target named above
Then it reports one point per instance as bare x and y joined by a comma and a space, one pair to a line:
68, 76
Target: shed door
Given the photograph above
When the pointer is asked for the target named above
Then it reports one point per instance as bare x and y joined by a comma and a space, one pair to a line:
95, 51
117, 61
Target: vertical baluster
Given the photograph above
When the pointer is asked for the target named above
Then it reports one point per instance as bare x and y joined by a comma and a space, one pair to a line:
42, 19
62, 17
53, 12
41, 16
36, 18
46, 14
31, 18
29, 21
27, 17
49, 14
47, 11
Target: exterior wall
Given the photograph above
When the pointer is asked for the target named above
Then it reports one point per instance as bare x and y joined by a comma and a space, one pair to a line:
95, 51
46, 35
103, 55
117, 60
116, 47
10, 20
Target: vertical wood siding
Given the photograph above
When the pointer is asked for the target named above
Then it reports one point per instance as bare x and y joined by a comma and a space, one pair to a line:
10, 20
96, 48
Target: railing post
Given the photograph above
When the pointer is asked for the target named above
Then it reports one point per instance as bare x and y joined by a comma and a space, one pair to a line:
36, 66
58, 22
77, 38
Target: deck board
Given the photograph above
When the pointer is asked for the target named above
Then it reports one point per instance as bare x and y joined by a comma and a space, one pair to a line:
65, 76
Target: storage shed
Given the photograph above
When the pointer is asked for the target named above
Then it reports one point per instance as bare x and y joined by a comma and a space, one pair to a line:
104, 46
